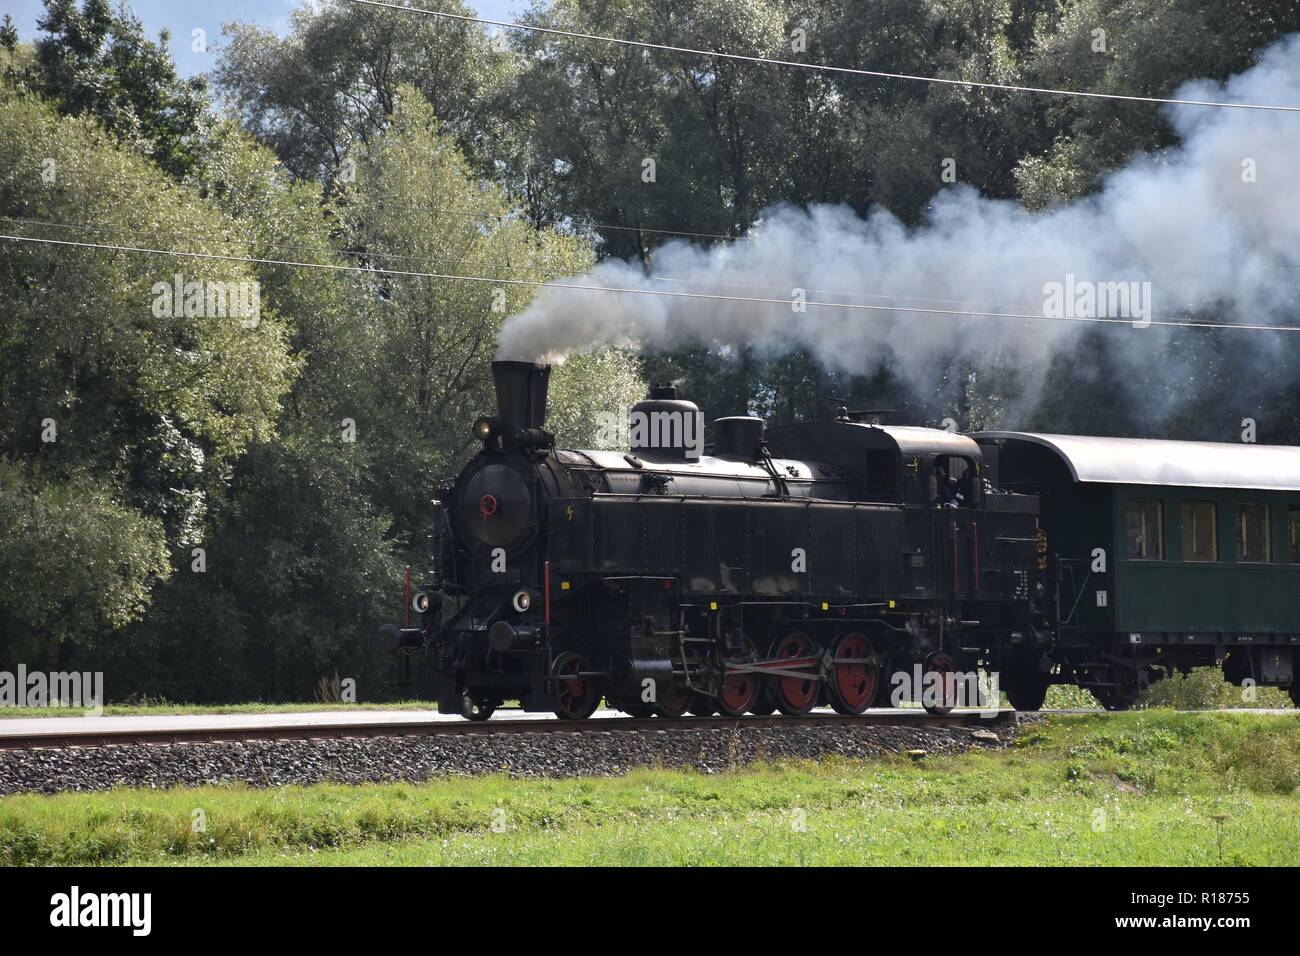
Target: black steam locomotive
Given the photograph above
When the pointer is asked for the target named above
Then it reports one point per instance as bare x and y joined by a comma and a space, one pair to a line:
842, 562
788, 568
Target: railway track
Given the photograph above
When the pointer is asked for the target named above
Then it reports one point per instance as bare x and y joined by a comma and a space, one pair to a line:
288, 729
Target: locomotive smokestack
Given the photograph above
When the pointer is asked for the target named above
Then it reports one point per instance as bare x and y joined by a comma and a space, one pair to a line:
521, 399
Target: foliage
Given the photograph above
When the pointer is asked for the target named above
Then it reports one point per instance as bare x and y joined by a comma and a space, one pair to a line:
96, 61
331, 85
74, 560
416, 206
114, 407
1204, 688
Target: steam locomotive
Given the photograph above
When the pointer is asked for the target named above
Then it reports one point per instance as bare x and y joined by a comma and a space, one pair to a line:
842, 562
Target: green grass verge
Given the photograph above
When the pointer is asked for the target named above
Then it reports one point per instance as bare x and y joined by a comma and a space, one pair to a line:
1150, 788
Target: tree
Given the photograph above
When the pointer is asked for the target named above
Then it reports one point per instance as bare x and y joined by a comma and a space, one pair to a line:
1135, 48
118, 405
75, 559
8, 33
97, 61
595, 116
332, 83
298, 559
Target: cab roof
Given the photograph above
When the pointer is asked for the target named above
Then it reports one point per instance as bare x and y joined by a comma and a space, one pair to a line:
830, 440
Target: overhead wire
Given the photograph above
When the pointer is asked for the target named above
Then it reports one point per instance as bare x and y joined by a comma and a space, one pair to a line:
854, 306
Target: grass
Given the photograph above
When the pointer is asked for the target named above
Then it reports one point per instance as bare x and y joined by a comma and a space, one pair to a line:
1136, 789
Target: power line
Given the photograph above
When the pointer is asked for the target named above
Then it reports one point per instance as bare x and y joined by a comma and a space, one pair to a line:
469, 262
209, 237
856, 306
818, 67
343, 203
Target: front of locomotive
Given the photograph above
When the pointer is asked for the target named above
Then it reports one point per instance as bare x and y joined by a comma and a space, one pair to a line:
482, 617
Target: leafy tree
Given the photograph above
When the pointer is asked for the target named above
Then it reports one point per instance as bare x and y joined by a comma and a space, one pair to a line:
594, 114
1146, 48
75, 560
332, 83
100, 375
97, 61
298, 559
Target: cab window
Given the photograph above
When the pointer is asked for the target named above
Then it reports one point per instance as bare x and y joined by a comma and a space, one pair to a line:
882, 475
953, 481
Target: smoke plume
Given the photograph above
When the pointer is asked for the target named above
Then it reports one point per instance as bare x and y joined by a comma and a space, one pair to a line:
1212, 243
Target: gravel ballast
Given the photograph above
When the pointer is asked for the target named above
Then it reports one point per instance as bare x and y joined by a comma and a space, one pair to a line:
414, 759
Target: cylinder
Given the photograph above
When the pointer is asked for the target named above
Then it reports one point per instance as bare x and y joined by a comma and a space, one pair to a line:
504, 636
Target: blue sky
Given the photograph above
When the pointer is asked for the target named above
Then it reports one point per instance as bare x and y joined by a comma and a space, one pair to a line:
182, 17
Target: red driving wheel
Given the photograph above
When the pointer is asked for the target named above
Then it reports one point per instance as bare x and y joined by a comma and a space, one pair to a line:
853, 682
673, 701
740, 688
939, 693
795, 695
575, 696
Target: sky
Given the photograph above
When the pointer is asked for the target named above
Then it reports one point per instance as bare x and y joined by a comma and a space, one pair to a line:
182, 17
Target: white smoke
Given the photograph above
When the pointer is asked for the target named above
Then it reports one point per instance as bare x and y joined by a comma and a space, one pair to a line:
1211, 244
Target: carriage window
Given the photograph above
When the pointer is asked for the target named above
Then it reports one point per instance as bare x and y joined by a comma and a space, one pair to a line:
1145, 530
1200, 537
1293, 533
1252, 534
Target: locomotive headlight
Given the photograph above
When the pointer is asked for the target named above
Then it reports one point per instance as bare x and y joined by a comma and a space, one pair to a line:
522, 601
420, 602
485, 429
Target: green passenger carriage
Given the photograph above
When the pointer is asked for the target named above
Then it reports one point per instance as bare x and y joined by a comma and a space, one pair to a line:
1169, 554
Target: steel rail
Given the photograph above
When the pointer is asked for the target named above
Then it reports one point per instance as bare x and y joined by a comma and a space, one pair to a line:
108, 737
